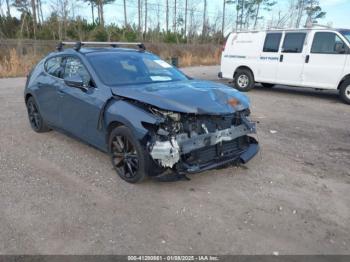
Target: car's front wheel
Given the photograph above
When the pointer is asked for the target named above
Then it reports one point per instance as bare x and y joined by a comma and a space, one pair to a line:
244, 80
345, 91
36, 121
127, 155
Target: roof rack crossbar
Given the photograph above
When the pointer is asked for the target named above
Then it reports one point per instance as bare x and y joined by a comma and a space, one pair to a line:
321, 27
78, 45
313, 25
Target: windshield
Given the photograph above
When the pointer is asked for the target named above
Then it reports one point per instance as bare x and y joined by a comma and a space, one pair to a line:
133, 68
346, 34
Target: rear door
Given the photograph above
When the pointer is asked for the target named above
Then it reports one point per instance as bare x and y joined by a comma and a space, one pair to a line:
292, 59
269, 58
48, 84
325, 61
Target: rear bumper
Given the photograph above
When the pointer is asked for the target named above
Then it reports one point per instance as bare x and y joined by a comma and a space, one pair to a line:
243, 156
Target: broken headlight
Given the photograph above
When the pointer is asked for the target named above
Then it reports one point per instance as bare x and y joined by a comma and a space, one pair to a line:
167, 114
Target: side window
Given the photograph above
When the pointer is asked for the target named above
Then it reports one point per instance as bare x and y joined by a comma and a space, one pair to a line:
328, 43
53, 66
75, 67
293, 42
272, 42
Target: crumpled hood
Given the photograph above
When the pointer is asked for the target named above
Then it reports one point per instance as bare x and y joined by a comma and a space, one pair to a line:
191, 96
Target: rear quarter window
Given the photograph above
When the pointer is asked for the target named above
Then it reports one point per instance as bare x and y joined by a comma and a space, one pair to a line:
53, 66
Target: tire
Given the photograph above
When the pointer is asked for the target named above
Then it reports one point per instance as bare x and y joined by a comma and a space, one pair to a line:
36, 121
128, 157
244, 80
344, 91
267, 85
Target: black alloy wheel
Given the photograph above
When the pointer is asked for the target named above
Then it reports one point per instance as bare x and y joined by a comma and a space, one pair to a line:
127, 155
35, 119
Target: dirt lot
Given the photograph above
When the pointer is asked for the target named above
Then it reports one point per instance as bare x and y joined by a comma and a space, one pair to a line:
59, 196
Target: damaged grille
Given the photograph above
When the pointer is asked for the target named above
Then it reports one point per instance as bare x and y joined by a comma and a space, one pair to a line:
221, 151
197, 140
212, 123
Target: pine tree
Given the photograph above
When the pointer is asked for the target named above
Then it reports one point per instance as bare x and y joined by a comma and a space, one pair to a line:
314, 12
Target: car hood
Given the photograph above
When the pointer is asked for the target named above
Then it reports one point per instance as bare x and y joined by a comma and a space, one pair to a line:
191, 96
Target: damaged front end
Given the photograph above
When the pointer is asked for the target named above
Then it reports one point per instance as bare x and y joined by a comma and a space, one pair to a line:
190, 143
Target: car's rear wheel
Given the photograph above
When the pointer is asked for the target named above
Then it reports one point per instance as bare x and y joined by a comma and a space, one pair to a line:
127, 154
267, 85
345, 91
244, 80
35, 119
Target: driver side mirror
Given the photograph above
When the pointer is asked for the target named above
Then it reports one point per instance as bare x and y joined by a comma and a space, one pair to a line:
341, 48
75, 81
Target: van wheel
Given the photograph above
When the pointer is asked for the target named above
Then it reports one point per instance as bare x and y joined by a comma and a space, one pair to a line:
244, 80
345, 91
267, 85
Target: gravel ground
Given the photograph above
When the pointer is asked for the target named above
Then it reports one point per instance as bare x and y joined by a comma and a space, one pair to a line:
60, 196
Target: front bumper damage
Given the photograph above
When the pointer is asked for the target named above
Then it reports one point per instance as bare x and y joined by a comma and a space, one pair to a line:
193, 153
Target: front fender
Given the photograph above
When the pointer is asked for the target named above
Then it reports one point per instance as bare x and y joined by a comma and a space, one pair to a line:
131, 116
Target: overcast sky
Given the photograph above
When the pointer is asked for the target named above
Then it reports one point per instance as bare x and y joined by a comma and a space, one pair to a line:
338, 11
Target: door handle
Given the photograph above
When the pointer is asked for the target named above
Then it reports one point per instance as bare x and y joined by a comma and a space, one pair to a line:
281, 58
307, 59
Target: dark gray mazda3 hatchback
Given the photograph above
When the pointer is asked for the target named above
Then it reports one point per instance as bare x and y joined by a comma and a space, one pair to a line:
150, 117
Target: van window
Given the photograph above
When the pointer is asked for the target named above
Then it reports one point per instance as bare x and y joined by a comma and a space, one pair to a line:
346, 34
272, 42
293, 42
327, 43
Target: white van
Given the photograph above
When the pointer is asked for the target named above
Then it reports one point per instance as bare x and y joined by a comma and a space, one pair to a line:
316, 58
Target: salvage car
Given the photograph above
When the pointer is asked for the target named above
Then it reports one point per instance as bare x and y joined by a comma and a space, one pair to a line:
149, 116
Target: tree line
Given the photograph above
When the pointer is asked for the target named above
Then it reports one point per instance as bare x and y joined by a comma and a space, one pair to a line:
172, 21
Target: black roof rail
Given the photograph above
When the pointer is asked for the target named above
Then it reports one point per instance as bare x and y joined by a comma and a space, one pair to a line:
78, 45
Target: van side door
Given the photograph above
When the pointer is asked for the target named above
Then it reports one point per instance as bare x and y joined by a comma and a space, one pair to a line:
291, 61
269, 58
325, 62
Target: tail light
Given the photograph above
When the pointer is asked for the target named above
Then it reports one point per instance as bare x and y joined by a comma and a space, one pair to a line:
223, 46
28, 76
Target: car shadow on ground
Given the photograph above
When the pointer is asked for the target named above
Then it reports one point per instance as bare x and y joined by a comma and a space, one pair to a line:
331, 95
167, 177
